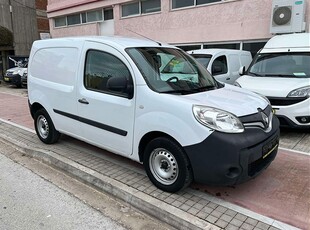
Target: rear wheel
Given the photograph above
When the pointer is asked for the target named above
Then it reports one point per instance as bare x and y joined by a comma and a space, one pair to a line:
167, 165
45, 128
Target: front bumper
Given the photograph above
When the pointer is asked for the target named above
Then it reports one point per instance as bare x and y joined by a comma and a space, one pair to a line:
12, 79
228, 159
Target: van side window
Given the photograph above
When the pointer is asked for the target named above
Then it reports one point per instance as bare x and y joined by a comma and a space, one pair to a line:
106, 73
219, 66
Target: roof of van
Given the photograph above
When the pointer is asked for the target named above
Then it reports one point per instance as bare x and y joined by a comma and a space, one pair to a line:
289, 41
216, 51
119, 41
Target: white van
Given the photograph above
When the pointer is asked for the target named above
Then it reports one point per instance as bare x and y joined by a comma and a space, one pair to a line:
281, 71
109, 91
223, 64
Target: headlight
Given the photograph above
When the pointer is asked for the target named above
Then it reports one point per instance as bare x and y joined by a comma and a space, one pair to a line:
237, 84
217, 119
301, 92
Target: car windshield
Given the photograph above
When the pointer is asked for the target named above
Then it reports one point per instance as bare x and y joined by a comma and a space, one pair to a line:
203, 59
292, 65
170, 70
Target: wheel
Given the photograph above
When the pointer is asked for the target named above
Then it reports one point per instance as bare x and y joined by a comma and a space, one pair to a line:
45, 128
173, 78
167, 165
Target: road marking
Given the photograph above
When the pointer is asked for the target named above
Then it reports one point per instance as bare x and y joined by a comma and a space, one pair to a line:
295, 151
18, 126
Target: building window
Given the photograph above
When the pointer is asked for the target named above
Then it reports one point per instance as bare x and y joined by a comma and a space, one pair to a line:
61, 21
235, 46
94, 16
130, 9
108, 14
73, 19
84, 17
253, 47
187, 3
141, 7
189, 47
150, 6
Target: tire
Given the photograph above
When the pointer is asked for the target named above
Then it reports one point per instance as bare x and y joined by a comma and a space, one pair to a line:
167, 165
45, 128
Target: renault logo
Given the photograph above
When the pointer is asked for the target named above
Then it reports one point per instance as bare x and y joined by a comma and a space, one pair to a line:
265, 118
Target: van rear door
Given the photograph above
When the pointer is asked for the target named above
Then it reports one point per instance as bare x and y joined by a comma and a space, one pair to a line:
106, 112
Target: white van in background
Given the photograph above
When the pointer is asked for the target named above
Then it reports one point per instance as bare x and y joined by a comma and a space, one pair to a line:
281, 71
223, 64
124, 95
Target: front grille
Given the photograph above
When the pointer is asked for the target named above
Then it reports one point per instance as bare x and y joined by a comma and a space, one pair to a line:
257, 120
282, 101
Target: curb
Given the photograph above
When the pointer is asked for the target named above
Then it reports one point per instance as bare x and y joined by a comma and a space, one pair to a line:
143, 202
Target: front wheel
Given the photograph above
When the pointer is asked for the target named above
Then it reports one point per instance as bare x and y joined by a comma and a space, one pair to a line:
167, 165
45, 128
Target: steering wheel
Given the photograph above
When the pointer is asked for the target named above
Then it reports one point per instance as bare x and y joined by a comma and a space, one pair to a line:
172, 78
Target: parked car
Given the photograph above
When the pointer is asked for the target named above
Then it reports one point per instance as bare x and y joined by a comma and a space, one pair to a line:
24, 79
109, 91
223, 64
13, 76
281, 71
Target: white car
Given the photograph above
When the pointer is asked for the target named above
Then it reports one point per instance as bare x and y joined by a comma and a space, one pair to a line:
14, 75
184, 126
281, 72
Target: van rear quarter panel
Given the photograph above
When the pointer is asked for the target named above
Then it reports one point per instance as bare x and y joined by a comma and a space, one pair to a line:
52, 78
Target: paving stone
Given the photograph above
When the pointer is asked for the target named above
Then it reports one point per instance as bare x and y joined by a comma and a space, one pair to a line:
262, 226
272, 228
221, 223
177, 203
185, 207
190, 202
216, 214
247, 226
212, 205
198, 206
221, 209
211, 219
208, 209
231, 227
226, 218
241, 217
193, 211
202, 215
251, 221
236, 222
169, 200
204, 202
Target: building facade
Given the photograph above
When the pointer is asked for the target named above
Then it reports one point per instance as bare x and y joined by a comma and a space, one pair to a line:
21, 22
190, 24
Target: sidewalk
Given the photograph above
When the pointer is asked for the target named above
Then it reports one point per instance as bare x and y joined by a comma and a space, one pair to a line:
125, 179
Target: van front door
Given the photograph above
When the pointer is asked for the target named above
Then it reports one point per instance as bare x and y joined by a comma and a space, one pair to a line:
105, 99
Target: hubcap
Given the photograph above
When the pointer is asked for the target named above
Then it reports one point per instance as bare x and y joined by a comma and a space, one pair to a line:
163, 166
42, 125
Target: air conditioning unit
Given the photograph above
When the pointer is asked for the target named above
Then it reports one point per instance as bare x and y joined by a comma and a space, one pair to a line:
288, 16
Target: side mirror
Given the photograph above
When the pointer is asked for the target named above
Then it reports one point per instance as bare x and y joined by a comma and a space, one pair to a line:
242, 70
121, 85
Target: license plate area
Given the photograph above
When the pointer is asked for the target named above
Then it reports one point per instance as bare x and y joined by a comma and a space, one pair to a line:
270, 147
6, 79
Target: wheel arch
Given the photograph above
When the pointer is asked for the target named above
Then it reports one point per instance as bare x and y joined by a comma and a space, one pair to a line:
34, 108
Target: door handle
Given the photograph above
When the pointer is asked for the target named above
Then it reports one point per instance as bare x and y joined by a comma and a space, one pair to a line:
228, 78
83, 101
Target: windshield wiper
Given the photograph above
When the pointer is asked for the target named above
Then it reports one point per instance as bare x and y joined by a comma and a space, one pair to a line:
281, 75
179, 91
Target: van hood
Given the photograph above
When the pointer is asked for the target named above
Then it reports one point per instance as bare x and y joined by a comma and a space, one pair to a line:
235, 100
272, 86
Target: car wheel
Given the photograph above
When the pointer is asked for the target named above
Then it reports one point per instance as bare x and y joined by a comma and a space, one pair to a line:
167, 165
45, 128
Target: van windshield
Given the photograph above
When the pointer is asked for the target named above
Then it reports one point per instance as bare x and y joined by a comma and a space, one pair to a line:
169, 70
203, 59
291, 65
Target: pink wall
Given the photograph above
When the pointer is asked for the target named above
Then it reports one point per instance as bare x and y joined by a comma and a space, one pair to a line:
232, 20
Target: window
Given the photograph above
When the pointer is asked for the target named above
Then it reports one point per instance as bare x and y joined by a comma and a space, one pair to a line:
62, 21
235, 46
74, 19
150, 6
94, 16
189, 47
219, 66
85, 17
141, 7
103, 68
130, 9
186, 3
253, 47
108, 14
